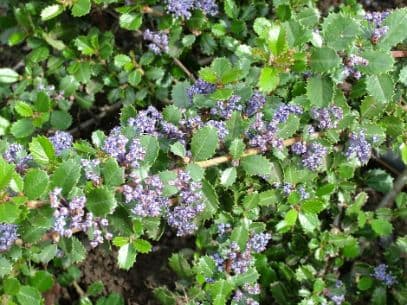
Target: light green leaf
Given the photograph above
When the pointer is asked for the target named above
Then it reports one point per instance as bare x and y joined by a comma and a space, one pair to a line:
6, 173
403, 76
237, 148
396, 22
382, 227
24, 109
151, 147
178, 149
101, 201
256, 165
42, 150
28, 295
228, 176
22, 128
61, 119
320, 91
340, 31
130, 21
51, 11
35, 183
8, 76
5, 266
126, 257
9, 212
309, 221
269, 79
66, 176
81, 8
231, 9
113, 174
324, 59
204, 143
380, 87
379, 62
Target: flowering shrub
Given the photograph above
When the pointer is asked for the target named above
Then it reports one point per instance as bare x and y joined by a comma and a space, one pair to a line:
248, 128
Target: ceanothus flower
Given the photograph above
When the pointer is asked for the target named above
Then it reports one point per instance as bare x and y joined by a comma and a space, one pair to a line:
314, 156
183, 8
115, 144
221, 128
146, 121
61, 141
226, 108
91, 170
380, 273
159, 41
8, 236
258, 242
200, 87
17, 155
255, 103
358, 147
209, 7
135, 154
327, 117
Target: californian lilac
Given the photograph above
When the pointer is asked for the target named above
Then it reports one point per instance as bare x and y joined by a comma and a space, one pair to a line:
255, 103
62, 141
147, 197
115, 144
376, 19
225, 109
263, 135
327, 117
190, 204
8, 235
71, 217
159, 41
338, 299
146, 121
221, 128
299, 148
209, 7
380, 273
17, 155
314, 156
358, 147
303, 193
283, 111
200, 87
135, 154
180, 8
191, 123
224, 228
172, 132
351, 66
91, 168
258, 242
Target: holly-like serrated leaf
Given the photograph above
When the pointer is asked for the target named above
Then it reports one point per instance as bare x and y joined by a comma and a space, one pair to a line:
151, 147
396, 21
6, 171
296, 33
228, 176
126, 256
51, 11
42, 150
324, 59
380, 87
35, 183
66, 176
370, 108
403, 76
101, 201
379, 62
81, 8
220, 291
236, 148
382, 227
268, 80
340, 31
204, 143
22, 128
113, 174
179, 94
256, 165
320, 91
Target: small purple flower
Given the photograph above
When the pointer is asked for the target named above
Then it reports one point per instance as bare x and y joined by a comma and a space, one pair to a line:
135, 154
146, 121
299, 148
62, 141
209, 7
255, 103
8, 236
338, 299
221, 128
328, 117
115, 144
380, 273
91, 169
258, 242
17, 155
358, 147
226, 108
314, 156
252, 288
159, 41
200, 87
283, 111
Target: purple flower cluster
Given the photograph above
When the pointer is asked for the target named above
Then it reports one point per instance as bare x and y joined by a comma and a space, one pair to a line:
172, 132
258, 242
71, 217
8, 235
358, 147
380, 273
17, 155
62, 141
244, 296
148, 197
91, 168
312, 154
200, 87
377, 18
255, 103
183, 8
282, 113
221, 128
147, 121
288, 188
337, 299
225, 109
327, 117
190, 204
224, 228
351, 63
158, 41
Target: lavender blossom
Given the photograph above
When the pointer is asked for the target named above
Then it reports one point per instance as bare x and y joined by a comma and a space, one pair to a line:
200, 87
255, 103
314, 156
224, 228
282, 112
115, 144
338, 299
146, 121
17, 155
358, 147
258, 242
159, 41
62, 141
252, 288
91, 170
225, 109
376, 19
380, 273
299, 148
189, 124
221, 128
8, 236
328, 117
180, 8
135, 154
209, 7
173, 132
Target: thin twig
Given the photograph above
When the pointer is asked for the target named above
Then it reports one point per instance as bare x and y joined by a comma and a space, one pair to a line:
181, 65
78, 289
399, 54
401, 181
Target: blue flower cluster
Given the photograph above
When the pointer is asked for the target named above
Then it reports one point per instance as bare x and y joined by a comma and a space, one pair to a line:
327, 117
158, 41
377, 18
61, 141
351, 66
380, 273
255, 103
288, 188
8, 236
200, 87
225, 109
312, 154
17, 155
92, 171
184, 8
359, 147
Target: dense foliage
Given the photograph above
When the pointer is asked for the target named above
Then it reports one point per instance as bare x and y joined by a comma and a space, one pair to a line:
249, 126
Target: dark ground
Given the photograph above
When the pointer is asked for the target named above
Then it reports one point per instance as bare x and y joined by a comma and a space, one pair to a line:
150, 270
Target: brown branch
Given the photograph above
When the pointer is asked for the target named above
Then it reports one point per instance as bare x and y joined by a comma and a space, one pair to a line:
399, 54
185, 69
149, 10
387, 201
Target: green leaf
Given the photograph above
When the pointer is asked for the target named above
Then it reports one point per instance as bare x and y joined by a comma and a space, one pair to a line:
240, 234
370, 108
403, 152
276, 39
6, 172
180, 265
324, 59
135, 78
206, 266
220, 291
101, 201
379, 296
51, 11
42, 150
95, 288
256, 165
235, 125
5, 266
178, 149
179, 94
291, 217
296, 33
151, 147
165, 296
379, 62
237, 148
66, 176
42, 280
365, 283
228, 176
130, 21
309, 221
403, 76
320, 91
61, 119
9, 212
35, 183
340, 31
113, 174
396, 22
29, 296
380, 87
231, 9
8, 76
48, 253
251, 276
289, 128
126, 256
22, 128
314, 205
268, 80
382, 227
11, 286
24, 109
208, 75
142, 246
81, 8
379, 180
204, 143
